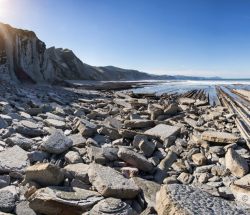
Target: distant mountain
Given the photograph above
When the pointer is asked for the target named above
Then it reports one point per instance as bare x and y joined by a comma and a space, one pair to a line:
24, 58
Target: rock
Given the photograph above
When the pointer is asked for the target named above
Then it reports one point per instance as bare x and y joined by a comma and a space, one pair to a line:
3, 123
78, 140
186, 101
111, 183
96, 154
184, 199
73, 157
138, 123
199, 159
129, 172
55, 123
219, 137
163, 131
135, 159
23, 208
171, 109
149, 189
29, 128
112, 206
147, 147
8, 197
163, 166
4, 181
241, 193
244, 181
62, 200
185, 178
23, 142
57, 143
39, 156
44, 174
13, 159
86, 128
236, 164
77, 171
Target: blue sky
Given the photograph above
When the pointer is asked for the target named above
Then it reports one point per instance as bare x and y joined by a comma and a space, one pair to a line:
185, 37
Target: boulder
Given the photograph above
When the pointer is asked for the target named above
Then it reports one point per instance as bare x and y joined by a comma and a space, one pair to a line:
199, 159
135, 159
45, 174
180, 199
29, 128
13, 159
241, 194
219, 137
235, 163
163, 131
77, 171
8, 197
111, 183
19, 140
57, 143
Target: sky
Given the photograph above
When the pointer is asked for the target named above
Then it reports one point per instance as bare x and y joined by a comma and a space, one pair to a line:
172, 37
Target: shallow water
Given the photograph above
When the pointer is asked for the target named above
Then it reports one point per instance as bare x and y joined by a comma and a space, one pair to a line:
184, 86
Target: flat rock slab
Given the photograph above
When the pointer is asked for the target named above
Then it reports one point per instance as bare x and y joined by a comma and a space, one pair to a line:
111, 183
184, 199
60, 200
219, 137
78, 171
163, 131
13, 159
135, 159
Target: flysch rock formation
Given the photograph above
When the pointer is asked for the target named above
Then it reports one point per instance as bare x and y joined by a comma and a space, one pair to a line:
23, 57
67, 151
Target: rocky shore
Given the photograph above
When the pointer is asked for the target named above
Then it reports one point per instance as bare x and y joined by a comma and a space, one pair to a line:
71, 151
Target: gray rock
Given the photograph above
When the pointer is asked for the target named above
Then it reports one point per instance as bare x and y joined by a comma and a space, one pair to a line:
3, 123
86, 128
57, 143
244, 181
13, 159
184, 199
112, 206
39, 156
135, 159
29, 128
4, 181
8, 197
78, 140
111, 183
19, 140
163, 131
185, 178
55, 123
186, 101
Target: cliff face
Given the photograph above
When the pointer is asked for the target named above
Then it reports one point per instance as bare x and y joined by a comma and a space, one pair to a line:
24, 58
